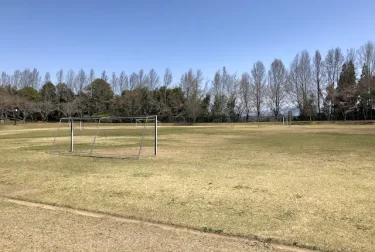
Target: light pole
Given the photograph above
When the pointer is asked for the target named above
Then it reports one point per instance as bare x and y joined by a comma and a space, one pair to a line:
15, 116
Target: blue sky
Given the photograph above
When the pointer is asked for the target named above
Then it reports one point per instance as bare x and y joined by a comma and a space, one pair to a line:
125, 35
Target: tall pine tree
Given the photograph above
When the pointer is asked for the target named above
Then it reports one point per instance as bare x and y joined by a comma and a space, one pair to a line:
346, 100
366, 92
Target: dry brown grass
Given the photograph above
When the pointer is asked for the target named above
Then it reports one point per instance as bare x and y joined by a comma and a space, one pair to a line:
311, 186
25, 228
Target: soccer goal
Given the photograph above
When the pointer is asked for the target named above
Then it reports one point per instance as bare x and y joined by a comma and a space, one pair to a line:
140, 122
107, 137
287, 120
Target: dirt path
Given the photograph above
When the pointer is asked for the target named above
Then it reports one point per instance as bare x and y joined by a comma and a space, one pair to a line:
176, 231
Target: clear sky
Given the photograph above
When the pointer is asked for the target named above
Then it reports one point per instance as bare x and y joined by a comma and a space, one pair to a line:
125, 35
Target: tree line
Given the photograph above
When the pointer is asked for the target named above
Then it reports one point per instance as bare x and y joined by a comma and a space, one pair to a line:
313, 87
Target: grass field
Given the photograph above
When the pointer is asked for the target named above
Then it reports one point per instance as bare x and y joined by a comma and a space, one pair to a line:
25, 228
309, 186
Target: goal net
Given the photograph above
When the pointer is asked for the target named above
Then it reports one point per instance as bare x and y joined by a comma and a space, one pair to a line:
107, 137
140, 122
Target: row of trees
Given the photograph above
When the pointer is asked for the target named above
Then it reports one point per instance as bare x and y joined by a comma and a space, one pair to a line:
77, 82
314, 87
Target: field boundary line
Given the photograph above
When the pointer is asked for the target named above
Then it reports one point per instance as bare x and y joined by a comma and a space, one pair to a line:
168, 227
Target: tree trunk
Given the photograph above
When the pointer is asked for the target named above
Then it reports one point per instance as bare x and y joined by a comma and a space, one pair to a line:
371, 112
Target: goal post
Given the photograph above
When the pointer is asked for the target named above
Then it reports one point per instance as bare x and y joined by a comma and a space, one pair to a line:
71, 136
156, 136
139, 122
107, 137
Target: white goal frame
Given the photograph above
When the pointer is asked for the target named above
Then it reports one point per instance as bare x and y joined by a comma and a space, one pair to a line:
145, 119
139, 122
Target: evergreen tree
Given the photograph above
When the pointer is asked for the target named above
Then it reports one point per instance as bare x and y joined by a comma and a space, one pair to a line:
366, 92
346, 101
101, 96
48, 92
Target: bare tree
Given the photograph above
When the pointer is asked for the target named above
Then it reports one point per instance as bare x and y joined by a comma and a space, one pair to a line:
226, 82
339, 60
133, 81
333, 63
218, 94
5, 79
6, 101
366, 56
47, 77
329, 65
351, 55
70, 80
114, 82
60, 76
231, 85
259, 80
45, 108
29, 78
306, 86
143, 79
69, 108
15, 80
35, 79
318, 76
82, 105
24, 78
81, 80
331, 77
3, 74
123, 82
104, 76
224, 91
25, 107
277, 76
300, 84
91, 77
154, 80
168, 78
191, 85
245, 91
